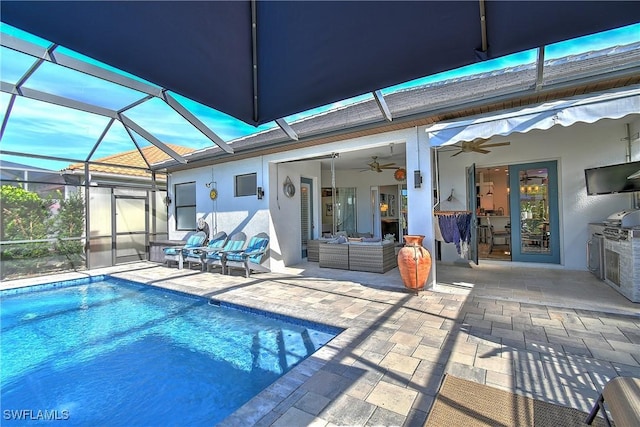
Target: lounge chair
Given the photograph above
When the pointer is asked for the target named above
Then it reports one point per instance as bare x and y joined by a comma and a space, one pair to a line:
235, 243
197, 255
175, 253
250, 258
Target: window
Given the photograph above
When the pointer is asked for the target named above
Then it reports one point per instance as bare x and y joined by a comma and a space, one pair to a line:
185, 206
246, 185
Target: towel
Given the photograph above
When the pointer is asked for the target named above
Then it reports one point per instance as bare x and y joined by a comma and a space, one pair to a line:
456, 229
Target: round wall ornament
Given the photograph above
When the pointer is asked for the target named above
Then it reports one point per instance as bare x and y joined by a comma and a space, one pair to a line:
213, 194
288, 188
400, 174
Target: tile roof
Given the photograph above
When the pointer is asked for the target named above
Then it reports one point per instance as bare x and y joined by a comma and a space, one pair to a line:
132, 158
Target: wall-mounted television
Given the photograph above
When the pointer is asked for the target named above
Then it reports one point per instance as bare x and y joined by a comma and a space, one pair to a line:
612, 179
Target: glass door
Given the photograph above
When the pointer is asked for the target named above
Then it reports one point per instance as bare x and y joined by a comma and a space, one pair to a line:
344, 210
534, 212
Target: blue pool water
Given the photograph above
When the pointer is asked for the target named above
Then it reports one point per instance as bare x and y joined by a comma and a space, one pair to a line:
115, 352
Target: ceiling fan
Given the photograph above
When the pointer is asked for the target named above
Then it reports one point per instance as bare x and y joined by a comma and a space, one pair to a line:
375, 166
477, 145
526, 178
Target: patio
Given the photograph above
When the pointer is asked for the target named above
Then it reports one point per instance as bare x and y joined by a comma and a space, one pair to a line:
554, 335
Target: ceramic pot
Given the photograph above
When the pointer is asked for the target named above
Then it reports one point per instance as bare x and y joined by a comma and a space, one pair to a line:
414, 263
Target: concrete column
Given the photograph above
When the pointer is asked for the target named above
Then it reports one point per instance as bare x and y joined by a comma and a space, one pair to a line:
420, 200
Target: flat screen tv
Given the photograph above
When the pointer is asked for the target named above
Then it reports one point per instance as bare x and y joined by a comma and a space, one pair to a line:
612, 179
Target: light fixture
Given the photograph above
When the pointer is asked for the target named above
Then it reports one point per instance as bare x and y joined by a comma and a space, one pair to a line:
417, 179
167, 200
260, 193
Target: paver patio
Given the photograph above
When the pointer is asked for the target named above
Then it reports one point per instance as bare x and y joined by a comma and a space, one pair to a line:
553, 335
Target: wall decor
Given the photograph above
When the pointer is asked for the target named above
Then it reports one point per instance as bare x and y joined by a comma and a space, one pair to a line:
288, 188
328, 209
400, 174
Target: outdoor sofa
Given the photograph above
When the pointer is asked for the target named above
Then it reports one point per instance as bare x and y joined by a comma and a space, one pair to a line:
371, 256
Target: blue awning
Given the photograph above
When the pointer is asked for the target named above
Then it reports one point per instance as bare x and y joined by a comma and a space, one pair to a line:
610, 105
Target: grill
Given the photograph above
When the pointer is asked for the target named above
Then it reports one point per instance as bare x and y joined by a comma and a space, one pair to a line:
614, 233
612, 252
626, 219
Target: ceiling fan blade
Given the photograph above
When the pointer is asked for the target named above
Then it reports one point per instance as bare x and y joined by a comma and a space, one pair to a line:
479, 141
496, 144
459, 152
386, 165
481, 151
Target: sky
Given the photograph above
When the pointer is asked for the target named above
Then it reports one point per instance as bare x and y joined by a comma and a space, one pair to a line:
36, 127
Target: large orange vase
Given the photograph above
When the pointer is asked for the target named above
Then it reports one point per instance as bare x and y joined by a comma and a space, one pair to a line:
414, 263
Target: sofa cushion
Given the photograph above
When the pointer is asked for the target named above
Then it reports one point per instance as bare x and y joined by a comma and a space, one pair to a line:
371, 239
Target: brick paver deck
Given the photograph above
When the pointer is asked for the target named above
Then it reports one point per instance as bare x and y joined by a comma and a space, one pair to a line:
388, 364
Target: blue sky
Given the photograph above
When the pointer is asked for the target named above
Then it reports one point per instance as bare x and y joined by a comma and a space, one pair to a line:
36, 127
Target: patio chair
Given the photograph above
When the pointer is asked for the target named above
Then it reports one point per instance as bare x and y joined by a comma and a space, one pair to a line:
175, 253
622, 395
234, 243
250, 259
196, 255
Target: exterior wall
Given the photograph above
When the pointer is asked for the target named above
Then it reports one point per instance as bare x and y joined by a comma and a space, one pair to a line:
285, 244
280, 215
226, 213
575, 148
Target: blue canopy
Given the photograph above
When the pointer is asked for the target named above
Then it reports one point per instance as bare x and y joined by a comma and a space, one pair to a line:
303, 54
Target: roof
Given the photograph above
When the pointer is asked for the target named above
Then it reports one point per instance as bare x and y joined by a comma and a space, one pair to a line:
446, 100
132, 163
265, 60
12, 171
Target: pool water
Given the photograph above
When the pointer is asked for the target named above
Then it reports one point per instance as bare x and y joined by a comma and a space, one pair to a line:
119, 353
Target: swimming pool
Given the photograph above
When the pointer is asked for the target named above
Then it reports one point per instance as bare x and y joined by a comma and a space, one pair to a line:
111, 352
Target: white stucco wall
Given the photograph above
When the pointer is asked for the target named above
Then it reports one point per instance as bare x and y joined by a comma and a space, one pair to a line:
280, 215
286, 247
575, 148
226, 213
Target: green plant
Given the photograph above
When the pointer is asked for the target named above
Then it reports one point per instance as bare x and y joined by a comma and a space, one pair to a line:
69, 222
24, 217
